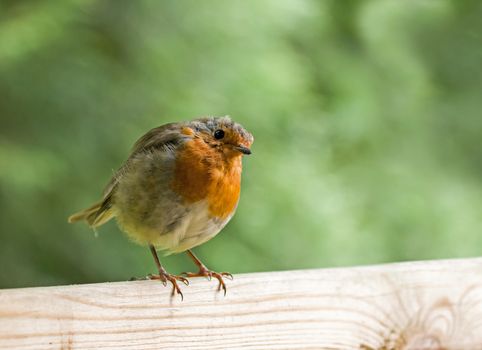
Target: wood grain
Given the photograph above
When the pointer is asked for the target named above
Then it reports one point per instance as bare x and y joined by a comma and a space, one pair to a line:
419, 305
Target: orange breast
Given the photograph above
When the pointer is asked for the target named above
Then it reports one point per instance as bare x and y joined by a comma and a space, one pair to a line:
201, 173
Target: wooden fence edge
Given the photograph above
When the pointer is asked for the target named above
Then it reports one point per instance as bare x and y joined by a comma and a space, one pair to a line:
413, 305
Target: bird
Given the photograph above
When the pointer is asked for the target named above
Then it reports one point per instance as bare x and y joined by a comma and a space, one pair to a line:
178, 188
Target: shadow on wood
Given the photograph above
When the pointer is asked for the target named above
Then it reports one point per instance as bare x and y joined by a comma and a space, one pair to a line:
419, 305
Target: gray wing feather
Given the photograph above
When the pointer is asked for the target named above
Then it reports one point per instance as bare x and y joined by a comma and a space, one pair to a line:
167, 136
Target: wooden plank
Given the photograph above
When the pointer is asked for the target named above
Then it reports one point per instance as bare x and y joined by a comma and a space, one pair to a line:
419, 305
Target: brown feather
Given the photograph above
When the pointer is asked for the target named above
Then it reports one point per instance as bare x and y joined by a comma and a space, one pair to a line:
202, 172
96, 215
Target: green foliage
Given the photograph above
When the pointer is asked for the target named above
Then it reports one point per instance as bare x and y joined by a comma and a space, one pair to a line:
366, 117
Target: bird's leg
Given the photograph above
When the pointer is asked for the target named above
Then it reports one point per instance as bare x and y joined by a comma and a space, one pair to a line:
164, 276
205, 272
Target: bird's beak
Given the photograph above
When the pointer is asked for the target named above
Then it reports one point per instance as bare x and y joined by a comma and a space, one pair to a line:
242, 149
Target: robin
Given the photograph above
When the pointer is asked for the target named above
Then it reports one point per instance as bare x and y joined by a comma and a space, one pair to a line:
178, 188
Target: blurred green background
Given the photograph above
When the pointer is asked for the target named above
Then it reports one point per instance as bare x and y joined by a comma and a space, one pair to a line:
366, 115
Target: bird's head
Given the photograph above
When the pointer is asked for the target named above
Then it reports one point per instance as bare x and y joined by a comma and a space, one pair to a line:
223, 135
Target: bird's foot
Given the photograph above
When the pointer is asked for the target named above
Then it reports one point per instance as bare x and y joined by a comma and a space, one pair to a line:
163, 276
205, 272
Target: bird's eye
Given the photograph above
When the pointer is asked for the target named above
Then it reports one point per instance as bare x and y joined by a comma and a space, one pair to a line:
218, 134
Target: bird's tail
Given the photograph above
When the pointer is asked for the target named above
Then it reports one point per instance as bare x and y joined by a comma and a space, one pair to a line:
96, 215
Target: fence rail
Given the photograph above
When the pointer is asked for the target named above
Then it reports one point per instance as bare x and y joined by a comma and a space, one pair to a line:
416, 305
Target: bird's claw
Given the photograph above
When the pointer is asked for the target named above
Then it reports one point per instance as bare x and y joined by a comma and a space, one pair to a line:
204, 272
227, 275
164, 277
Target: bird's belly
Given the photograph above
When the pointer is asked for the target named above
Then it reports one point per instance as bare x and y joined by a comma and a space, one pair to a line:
192, 228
